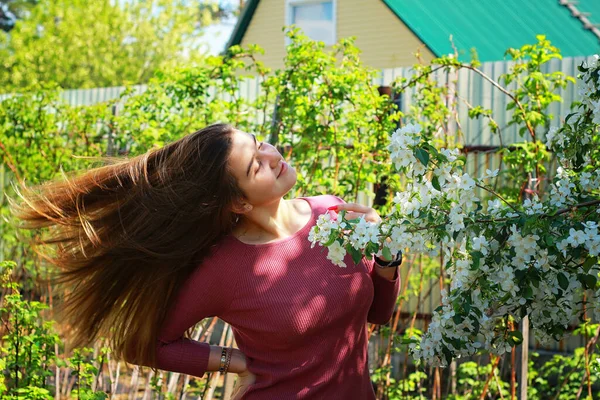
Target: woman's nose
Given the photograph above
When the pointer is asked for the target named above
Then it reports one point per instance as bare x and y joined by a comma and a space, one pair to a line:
273, 156
274, 159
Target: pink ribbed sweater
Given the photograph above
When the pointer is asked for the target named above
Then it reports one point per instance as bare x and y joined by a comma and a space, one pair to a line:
300, 320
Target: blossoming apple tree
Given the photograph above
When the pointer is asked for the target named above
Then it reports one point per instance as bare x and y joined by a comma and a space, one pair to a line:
505, 259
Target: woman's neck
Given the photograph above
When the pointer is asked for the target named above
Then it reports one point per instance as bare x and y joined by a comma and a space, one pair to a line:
272, 222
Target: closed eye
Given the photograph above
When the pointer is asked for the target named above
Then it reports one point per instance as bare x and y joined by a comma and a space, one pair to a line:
259, 163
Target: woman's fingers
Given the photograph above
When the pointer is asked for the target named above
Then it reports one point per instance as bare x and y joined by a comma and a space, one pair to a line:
244, 380
352, 207
354, 211
237, 392
353, 215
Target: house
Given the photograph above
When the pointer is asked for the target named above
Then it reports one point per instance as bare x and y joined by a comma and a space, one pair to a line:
390, 31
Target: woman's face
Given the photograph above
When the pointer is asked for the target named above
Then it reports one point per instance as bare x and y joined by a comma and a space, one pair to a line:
260, 170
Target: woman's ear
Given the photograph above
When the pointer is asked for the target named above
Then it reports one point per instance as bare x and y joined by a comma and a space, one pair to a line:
241, 207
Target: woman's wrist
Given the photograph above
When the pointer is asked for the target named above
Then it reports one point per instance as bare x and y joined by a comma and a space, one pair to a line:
383, 263
238, 362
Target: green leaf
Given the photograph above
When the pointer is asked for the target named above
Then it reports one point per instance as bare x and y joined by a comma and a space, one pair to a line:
589, 263
458, 318
436, 183
587, 280
371, 249
447, 354
408, 340
332, 238
515, 337
563, 282
387, 253
476, 256
422, 155
356, 254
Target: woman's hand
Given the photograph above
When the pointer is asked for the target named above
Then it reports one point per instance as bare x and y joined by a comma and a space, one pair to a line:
355, 211
245, 378
242, 383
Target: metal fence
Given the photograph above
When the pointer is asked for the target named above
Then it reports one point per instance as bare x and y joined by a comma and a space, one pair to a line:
470, 88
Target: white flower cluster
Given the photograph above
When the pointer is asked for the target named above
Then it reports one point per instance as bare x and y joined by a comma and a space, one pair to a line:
322, 232
588, 88
587, 238
562, 189
327, 231
504, 260
572, 142
401, 155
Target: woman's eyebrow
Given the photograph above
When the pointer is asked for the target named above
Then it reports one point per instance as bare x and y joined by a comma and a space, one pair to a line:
253, 157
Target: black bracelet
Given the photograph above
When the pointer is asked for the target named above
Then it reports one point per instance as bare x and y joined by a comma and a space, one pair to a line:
388, 264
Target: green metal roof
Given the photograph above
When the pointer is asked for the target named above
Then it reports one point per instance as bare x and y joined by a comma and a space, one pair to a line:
492, 26
489, 26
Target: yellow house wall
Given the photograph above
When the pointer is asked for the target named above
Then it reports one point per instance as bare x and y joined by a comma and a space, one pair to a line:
385, 41
265, 30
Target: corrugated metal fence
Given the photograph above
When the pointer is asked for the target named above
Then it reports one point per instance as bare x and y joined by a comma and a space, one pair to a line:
471, 88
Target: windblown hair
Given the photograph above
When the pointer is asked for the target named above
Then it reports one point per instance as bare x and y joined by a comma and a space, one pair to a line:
128, 234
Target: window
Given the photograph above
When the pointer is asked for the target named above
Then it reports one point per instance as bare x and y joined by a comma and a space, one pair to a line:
315, 18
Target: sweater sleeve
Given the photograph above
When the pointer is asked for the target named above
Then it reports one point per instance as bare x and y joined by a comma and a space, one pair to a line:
207, 293
384, 296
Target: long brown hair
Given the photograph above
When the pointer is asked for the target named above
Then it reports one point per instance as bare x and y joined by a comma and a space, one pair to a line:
129, 233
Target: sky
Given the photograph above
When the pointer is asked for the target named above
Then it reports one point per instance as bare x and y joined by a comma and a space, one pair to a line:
216, 36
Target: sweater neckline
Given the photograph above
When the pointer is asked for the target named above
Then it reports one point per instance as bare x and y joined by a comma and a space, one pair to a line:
302, 230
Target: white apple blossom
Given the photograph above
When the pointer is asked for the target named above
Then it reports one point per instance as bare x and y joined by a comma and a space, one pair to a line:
533, 206
336, 254
576, 237
480, 243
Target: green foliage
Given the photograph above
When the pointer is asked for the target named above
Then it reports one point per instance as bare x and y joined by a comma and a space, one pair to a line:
473, 378
331, 119
412, 387
562, 376
86, 374
533, 90
28, 345
28, 355
521, 159
83, 44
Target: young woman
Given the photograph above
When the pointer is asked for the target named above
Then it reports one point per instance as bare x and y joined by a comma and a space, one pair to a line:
150, 246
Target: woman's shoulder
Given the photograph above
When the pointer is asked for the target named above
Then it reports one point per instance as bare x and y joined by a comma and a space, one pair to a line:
324, 200
225, 252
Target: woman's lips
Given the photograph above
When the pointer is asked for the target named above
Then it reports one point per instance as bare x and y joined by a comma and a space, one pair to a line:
283, 169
